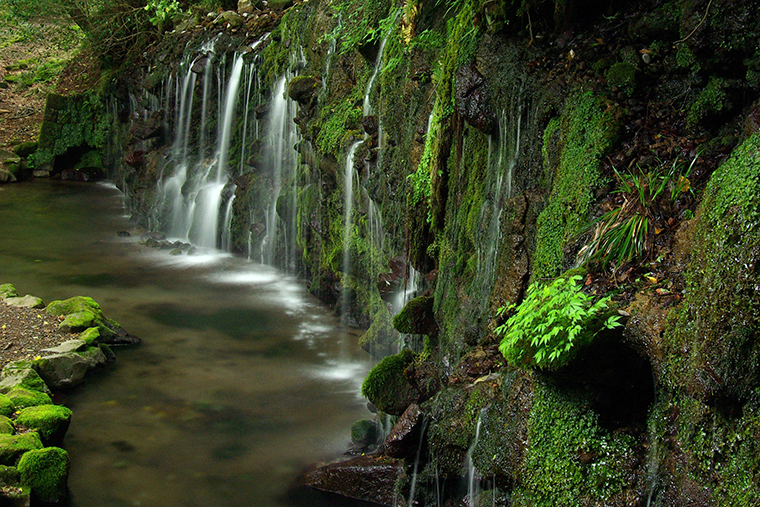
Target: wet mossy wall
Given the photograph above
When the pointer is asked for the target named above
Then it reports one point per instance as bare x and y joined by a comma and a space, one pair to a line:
459, 88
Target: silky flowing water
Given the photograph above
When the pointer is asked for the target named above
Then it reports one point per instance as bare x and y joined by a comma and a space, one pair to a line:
242, 380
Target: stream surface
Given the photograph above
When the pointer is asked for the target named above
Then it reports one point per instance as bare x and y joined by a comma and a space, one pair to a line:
243, 379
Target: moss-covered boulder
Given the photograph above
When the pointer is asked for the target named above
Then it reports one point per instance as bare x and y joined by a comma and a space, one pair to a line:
387, 387
22, 397
46, 471
712, 350
50, 421
6, 426
21, 374
364, 434
81, 313
13, 446
7, 407
417, 317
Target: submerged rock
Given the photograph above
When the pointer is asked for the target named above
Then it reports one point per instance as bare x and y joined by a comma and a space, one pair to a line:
370, 478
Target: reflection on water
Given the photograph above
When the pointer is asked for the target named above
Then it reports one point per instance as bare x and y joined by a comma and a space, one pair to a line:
242, 380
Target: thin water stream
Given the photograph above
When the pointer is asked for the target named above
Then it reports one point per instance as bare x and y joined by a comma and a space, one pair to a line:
242, 380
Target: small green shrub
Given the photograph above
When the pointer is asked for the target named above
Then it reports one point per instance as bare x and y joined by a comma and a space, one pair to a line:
550, 322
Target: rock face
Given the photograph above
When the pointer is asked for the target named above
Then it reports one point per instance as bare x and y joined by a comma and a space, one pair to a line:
368, 478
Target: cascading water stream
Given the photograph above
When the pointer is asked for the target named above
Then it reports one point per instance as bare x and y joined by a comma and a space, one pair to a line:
472, 474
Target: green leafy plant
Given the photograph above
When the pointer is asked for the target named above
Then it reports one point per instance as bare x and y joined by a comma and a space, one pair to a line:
550, 324
650, 199
161, 11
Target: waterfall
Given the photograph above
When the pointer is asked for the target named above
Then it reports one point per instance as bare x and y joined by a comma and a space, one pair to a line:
279, 245
472, 477
194, 199
348, 205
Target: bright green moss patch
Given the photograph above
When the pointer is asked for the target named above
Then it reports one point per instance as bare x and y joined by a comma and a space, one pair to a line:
587, 131
82, 313
13, 446
712, 99
7, 407
25, 398
50, 421
560, 431
6, 427
386, 385
90, 336
46, 472
711, 340
72, 305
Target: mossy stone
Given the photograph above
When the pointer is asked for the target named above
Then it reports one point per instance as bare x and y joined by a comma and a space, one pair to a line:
46, 471
76, 322
7, 290
364, 433
82, 313
7, 407
8, 475
91, 336
386, 386
50, 421
13, 446
25, 398
6, 427
417, 317
72, 305
22, 374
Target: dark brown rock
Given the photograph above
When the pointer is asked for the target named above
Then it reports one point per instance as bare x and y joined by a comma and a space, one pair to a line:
472, 100
370, 478
303, 89
403, 439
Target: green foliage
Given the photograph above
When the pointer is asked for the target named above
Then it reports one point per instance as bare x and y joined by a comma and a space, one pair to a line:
649, 198
587, 131
550, 322
161, 11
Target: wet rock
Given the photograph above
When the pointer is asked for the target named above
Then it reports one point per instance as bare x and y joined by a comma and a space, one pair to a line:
199, 66
232, 18
369, 123
370, 478
303, 89
145, 129
135, 158
472, 100
403, 439
68, 369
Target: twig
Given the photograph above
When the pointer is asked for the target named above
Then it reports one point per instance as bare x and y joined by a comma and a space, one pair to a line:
707, 10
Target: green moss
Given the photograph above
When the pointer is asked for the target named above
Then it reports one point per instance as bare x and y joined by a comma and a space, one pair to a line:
8, 475
416, 317
82, 313
711, 340
339, 122
50, 421
25, 398
364, 433
46, 471
712, 99
588, 130
7, 290
559, 430
6, 427
13, 446
7, 407
623, 76
22, 374
386, 381
91, 335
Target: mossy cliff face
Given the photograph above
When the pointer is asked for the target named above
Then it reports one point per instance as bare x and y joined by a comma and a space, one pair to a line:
480, 139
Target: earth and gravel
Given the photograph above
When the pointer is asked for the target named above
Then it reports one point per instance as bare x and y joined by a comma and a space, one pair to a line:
24, 332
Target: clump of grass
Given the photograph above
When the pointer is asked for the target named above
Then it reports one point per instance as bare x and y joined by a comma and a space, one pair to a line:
650, 198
